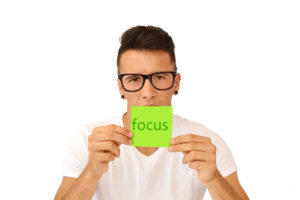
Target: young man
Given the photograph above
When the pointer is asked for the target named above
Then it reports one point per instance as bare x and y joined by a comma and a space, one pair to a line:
200, 158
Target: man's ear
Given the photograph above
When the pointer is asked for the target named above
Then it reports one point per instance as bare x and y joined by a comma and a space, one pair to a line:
120, 88
177, 83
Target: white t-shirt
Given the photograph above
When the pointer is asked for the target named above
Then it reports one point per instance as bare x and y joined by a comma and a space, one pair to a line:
135, 176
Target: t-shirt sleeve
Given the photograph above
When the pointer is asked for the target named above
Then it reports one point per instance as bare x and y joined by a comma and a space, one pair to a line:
76, 157
224, 158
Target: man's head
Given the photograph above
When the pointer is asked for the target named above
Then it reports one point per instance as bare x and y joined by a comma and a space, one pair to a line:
145, 50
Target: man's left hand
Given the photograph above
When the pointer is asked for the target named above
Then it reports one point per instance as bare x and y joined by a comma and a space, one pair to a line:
200, 153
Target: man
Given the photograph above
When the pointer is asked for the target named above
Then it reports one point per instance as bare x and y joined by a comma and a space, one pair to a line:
197, 159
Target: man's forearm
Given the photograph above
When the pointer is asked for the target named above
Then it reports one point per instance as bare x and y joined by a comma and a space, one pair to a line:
84, 187
222, 190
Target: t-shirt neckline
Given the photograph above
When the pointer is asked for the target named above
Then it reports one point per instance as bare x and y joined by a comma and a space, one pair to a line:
142, 156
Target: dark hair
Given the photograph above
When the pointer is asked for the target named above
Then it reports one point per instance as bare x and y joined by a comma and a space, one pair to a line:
146, 38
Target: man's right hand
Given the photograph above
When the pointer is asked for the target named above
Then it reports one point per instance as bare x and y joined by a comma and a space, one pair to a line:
104, 145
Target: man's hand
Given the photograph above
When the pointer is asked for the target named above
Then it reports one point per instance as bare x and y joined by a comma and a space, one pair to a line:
200, 153
104, 143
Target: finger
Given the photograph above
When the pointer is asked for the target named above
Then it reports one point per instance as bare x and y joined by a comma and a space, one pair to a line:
191, 138
102, 157
198, 155
192, 146
109, 146
118, 143
198, 165
185, 152
112, 128
115, 128
110, 136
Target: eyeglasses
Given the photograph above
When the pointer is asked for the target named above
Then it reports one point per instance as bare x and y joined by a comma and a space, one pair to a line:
160, 80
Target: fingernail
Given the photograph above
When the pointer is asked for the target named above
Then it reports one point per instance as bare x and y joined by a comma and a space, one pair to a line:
130, 142
170, 148
130, 134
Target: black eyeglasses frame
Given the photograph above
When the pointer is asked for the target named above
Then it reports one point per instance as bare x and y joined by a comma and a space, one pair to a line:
148, 76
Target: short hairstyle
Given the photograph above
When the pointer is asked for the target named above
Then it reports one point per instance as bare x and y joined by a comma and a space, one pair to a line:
146, 38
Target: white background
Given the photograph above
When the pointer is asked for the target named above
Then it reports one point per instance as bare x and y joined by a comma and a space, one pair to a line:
239, 63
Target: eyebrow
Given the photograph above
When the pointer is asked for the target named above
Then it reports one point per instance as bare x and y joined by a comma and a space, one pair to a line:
144, 74
130, 76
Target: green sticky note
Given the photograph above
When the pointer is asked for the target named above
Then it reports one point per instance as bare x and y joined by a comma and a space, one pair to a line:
151, 126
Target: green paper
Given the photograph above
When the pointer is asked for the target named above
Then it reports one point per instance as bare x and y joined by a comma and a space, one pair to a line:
151, 126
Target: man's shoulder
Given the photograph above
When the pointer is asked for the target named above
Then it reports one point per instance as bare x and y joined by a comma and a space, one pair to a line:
183, 123
196, 128
87, 129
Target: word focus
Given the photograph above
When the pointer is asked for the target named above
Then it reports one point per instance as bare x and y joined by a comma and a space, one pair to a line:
141, 125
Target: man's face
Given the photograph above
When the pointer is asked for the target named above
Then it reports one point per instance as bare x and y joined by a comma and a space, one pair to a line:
147, 62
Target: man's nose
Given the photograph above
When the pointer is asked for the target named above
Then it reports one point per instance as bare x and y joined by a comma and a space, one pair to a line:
148, 85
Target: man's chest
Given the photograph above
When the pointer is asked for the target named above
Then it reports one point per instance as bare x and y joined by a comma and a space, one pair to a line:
162, 177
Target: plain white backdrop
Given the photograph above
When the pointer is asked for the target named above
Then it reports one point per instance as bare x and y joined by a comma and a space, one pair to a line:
239, 76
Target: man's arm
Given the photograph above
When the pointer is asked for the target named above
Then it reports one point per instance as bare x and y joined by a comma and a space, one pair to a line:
222, 190
84, 187
64, 187
233, 180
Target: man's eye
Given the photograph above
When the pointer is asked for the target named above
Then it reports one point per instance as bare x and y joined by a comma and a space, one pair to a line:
159, 76
132, 79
